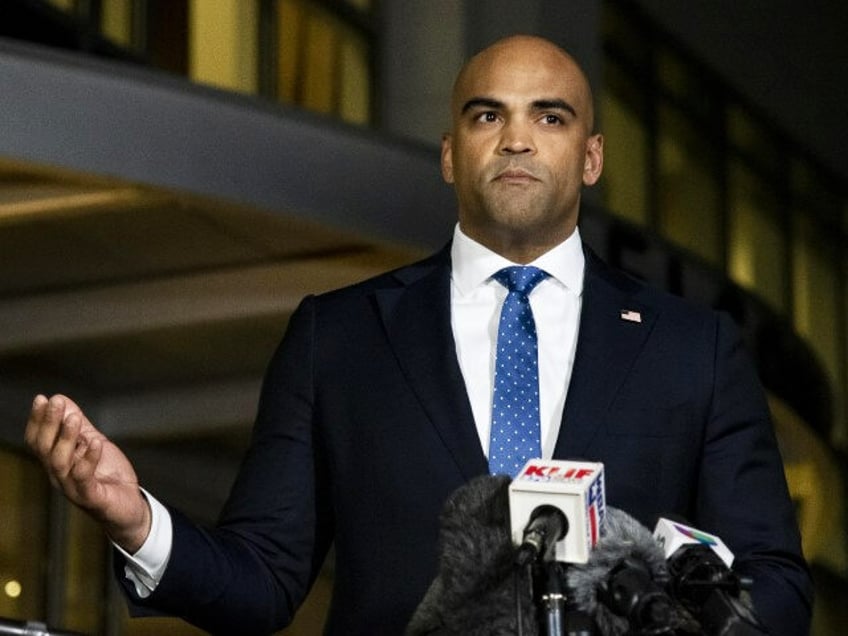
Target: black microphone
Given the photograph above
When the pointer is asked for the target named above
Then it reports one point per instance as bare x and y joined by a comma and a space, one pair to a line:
576, 490
546, 526
556, 513
622, 584
701, 580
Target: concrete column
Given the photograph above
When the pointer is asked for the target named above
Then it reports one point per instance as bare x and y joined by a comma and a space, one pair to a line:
422, 49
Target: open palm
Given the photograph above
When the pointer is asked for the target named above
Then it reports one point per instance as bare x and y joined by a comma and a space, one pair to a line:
90, 469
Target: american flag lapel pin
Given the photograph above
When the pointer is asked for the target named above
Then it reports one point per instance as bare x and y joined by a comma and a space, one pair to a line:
630, 315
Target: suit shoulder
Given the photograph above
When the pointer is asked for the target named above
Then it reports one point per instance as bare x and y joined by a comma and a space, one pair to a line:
396, 278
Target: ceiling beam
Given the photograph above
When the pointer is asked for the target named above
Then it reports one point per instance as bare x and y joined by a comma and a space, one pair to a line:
47, 320
174, 412
146, 415
238, 148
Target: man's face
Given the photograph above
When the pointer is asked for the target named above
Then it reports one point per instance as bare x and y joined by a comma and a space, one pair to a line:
521, 147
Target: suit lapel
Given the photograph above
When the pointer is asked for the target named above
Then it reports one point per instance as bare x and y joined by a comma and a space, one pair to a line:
417, 321
607, 346
416, 316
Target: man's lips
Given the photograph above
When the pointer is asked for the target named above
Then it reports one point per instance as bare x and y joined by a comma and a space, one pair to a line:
515, 175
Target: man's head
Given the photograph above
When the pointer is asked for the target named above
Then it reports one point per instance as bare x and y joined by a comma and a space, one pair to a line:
521, 146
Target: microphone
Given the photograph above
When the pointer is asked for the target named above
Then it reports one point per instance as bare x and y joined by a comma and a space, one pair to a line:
556, 512
547, 525
474, 591
622, 584
701, 580
556, 509
483, 524
672, 535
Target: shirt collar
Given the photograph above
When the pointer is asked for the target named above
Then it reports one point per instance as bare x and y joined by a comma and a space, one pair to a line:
473, 264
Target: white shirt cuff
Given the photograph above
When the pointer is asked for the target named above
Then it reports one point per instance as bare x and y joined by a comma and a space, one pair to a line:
146, 567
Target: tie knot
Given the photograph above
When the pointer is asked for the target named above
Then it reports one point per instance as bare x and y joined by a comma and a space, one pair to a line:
520, 278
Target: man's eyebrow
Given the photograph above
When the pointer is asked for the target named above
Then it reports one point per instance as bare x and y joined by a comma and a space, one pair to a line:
554, 104
538, 104
481, 102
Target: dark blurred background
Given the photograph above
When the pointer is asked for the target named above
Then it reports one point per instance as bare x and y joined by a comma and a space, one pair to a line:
176, 174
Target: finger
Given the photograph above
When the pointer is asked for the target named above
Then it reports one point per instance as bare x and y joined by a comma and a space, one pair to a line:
36, 414
83, 469
48, 426
71, 408
64, 451
81, 447
70, 405
92, 450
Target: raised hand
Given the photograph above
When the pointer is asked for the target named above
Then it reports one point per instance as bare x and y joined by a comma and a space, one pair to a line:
89, 469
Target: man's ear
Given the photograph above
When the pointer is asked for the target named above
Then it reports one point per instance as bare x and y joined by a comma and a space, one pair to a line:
594, 161
447, 158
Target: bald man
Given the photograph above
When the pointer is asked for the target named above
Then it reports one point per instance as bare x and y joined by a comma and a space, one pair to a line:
378, 403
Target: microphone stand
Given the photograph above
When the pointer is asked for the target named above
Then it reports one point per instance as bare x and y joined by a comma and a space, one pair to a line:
552, 598
555, 609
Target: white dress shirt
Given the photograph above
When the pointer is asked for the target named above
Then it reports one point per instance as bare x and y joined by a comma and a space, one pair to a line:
476, 300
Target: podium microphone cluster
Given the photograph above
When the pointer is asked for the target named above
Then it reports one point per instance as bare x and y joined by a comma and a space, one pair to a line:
548, 522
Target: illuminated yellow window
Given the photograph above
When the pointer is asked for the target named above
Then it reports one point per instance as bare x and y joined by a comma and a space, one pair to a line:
323, 61
626, 146
689, 205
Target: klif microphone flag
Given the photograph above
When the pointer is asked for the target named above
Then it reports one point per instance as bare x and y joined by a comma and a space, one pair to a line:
574, 488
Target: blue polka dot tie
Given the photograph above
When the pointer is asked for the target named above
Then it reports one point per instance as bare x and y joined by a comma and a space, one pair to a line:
515, 436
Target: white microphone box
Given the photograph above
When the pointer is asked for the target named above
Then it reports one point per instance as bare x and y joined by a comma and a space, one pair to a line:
576, 488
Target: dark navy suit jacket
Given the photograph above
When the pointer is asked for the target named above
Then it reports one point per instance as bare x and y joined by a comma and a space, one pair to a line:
364, 428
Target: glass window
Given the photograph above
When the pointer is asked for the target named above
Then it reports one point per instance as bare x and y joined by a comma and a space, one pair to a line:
818, 287
323, 60
290, 17
624, 38
757, 249
816, 290
749, 138
154, 32
840, 433
165, 34
320, 61
86, 551
361, 5
686, 86
23, 537
355, 89
116, 21
625, 179
68, 6
689, 200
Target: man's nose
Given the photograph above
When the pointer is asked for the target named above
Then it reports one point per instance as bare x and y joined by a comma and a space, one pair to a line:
516, 138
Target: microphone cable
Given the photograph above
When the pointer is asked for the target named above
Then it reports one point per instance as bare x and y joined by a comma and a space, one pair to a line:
517, 572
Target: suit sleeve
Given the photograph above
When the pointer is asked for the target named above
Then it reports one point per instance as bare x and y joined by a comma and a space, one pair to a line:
743, 494
249, 574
